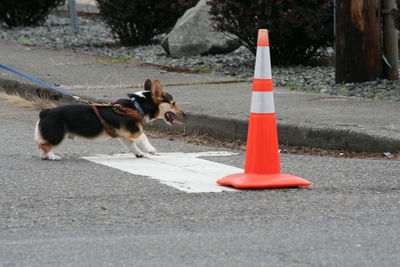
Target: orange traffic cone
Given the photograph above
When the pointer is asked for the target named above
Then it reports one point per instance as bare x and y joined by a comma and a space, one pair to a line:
262, 167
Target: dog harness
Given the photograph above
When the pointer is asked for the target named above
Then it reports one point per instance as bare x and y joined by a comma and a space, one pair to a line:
119, 109
137, 106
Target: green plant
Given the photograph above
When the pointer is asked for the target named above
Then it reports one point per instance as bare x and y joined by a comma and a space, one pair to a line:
297, 28
114, 60
371, 92
207, 69
380, 96
22, 40
294, 86
317, 88
136, 22
26, 12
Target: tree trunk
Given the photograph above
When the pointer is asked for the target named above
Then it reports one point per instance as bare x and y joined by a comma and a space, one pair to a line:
358, 41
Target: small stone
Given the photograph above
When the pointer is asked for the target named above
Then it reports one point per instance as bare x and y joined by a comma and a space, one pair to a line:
388, 155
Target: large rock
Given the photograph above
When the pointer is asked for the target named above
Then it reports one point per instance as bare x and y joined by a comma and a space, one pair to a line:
193, 35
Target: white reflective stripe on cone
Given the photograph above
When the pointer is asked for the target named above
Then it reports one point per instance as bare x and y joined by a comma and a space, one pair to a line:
262, 102
263, 63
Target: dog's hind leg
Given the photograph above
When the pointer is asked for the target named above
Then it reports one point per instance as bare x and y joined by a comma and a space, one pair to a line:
44, 146
131, 146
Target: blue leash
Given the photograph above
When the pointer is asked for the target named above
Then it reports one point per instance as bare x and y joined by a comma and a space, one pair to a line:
39, 82
134, 101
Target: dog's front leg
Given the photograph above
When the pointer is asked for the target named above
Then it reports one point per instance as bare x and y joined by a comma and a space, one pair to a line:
131, 146
144, 142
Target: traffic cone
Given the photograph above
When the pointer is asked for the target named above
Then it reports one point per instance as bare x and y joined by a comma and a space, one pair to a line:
262, 167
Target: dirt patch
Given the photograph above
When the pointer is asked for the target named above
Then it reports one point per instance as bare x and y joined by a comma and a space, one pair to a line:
34, 102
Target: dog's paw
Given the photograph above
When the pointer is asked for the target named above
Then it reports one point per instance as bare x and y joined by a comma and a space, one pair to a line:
148, 148
151, 150
51, 156
54, 157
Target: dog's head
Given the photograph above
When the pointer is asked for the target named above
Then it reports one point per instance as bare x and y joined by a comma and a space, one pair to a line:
158, 104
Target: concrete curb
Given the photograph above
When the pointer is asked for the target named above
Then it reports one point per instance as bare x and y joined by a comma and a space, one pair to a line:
234, 129
288, 134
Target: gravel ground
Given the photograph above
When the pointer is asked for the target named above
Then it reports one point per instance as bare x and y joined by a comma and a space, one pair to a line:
95, 38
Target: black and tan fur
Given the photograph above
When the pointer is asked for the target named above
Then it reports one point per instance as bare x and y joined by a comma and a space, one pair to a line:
79, 120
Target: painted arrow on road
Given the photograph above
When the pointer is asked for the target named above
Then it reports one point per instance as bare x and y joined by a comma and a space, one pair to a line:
183, 171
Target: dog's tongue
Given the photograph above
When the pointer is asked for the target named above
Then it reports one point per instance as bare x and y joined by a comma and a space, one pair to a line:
177, 122
172, 118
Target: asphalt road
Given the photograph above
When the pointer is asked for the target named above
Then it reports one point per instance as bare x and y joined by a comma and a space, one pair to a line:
77, 213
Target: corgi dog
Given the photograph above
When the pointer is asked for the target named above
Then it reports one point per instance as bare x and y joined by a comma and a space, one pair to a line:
122, 119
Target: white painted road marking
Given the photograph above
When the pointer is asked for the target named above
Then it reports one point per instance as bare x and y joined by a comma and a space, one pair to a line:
183, 171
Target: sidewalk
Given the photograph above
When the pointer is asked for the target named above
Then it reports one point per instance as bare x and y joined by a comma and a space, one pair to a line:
217, 105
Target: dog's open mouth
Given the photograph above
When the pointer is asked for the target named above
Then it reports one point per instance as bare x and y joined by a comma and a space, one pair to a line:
171, 118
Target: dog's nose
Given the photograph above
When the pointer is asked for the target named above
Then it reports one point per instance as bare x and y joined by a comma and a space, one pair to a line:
183, 114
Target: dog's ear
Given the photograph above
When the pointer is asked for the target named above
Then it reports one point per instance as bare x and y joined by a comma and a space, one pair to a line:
157, 89
147, 85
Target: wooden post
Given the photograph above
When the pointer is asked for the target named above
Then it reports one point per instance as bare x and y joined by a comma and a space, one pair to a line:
74, 16
358, 41
390, 41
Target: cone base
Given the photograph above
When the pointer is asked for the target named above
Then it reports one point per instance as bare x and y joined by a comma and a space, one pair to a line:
277, 180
